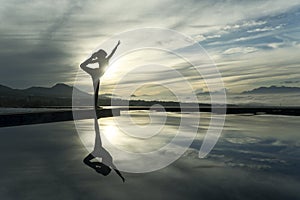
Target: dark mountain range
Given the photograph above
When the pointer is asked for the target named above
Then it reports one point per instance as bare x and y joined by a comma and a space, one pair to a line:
58, 95
273, 90
59, 90
7, 91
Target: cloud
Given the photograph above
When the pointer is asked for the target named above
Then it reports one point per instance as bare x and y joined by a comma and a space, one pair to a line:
237, 50
291, 82
244, 24
46, 41
202, 37
71, 8
266, 28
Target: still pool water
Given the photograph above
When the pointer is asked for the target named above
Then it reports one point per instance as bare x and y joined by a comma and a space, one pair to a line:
256, 157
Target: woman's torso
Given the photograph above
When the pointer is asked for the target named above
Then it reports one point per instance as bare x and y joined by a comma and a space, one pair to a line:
98, 72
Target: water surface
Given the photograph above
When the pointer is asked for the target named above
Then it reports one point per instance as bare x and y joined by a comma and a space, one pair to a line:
256, 157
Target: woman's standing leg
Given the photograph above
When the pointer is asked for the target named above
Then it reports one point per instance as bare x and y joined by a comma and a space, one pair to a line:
97, 84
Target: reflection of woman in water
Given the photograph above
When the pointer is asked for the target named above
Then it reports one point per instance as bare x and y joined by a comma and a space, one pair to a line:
100, 58
104, 167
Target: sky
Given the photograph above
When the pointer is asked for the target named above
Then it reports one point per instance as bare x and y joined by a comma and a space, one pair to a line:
253, 43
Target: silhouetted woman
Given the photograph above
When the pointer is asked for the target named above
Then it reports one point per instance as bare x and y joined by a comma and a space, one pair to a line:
100, 58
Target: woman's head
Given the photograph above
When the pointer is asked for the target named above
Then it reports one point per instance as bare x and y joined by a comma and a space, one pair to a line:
100, 54
103, 169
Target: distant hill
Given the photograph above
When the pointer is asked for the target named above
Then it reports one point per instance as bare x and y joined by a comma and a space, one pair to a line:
59, 90
7, 91
273, 90
58, 95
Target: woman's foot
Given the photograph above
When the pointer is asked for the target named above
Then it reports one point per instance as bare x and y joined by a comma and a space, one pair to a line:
99, 107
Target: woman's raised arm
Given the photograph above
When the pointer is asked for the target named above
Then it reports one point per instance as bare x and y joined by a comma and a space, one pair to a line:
114, 50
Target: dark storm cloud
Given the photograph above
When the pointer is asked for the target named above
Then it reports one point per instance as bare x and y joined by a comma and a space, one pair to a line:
37, 56
28, 62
